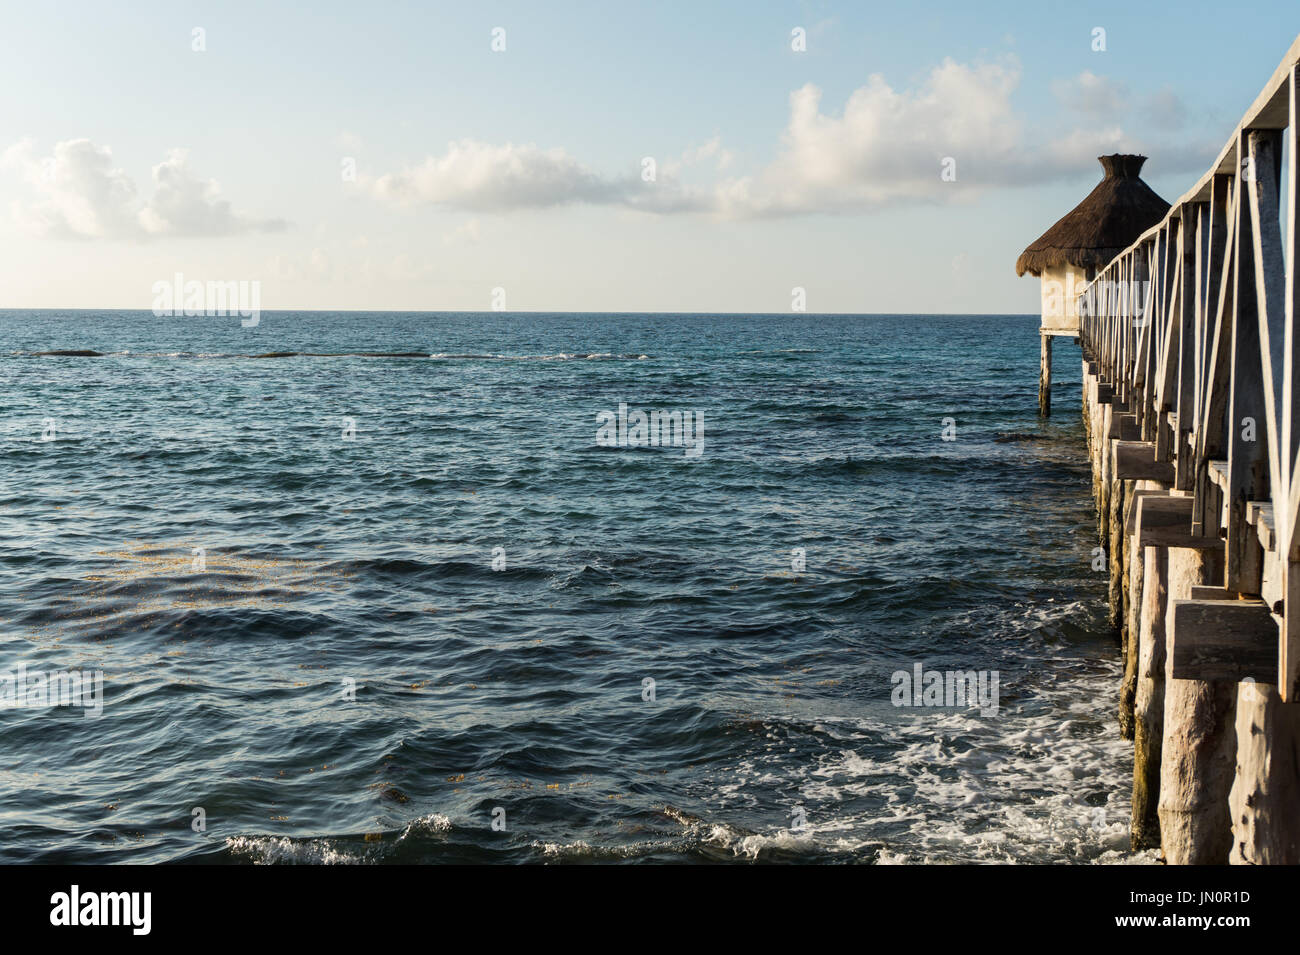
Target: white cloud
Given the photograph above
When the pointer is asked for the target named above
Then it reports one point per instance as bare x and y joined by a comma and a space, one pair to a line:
183, 205
694, 155
887, 145
480, 177
78, 192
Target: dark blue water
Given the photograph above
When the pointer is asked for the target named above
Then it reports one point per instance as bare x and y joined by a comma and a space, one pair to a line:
330, 560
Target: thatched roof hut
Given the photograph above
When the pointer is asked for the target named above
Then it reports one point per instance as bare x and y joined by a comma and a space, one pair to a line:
1106, 223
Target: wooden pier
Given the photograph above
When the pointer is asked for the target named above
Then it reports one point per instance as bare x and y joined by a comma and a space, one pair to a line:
1192, 411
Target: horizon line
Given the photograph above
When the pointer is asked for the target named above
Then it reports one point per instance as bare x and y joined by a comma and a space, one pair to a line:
518, 311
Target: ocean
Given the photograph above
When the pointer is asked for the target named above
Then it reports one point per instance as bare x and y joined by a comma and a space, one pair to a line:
372, 588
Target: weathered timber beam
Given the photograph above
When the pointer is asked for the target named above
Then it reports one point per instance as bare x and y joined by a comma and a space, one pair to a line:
1260, 516
1218, 471
1136, 461
1231, 640
1164, 520
1265, 152
1125, 427
1185, 384
1289, 656
1248, 417
1105, 393
1130, 513
1211, 592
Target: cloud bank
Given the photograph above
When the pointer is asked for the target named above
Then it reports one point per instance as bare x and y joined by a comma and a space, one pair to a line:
885, 146
77, 192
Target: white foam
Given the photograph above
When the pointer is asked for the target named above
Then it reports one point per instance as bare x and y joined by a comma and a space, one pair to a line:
1046, 780
269, 850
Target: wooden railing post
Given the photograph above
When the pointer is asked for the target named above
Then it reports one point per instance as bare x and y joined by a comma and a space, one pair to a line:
1248, 411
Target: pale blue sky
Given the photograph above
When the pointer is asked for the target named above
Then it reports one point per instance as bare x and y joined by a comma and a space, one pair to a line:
772, 172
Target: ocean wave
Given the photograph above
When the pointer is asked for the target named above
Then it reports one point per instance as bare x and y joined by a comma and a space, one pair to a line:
281, 850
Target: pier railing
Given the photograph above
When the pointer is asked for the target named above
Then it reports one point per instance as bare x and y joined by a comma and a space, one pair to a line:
1191, 334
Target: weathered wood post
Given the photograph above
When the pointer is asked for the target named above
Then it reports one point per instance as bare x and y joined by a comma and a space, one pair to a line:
1149, 705
1045, 375
1198, 749
1266, 789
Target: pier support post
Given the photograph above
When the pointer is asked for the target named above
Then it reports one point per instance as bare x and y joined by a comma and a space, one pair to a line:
1116, 557
1199, 745
1044, 375
1133, 583
1104, 476
1089, 386
1149, 704
1266, 789
1132, 640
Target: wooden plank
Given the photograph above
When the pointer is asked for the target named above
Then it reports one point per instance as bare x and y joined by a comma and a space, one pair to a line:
1229, 640
1288, 681
1200, 316
1165, 520
1184, 412
1156, 320
1260, 516
1136, 461
1248, 417
1166, 430
1170, 325
1265, 150
1105, 393
1210, 431
1131, 331
1130, 510
1124, 427
1218, 471
1148, 268
1211, 592
1143, 345
1214, 407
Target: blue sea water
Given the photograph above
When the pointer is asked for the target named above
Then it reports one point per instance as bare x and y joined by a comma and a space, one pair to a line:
237, 541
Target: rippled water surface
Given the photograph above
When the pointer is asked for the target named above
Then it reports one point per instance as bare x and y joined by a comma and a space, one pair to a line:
322, 561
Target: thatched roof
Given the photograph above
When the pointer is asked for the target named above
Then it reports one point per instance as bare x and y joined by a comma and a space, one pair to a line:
1106, 223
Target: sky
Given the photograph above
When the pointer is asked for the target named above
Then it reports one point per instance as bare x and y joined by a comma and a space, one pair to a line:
634, 157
